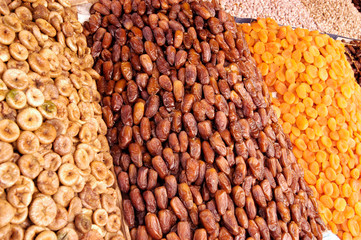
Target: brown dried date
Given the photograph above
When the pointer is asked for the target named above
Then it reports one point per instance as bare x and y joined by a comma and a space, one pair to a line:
160, 166
137, 199
152, 106
183, 141
170, 53
123, 181
150, 201
135, 61
197, 197
94, 22
135, 153
174, 143
267, 190
202, 74
163, 24
108, 116
161, 197
141, 233
146, 63
142, 178
179, 209
218, 144
166, 219
178, 90
242, 217
129, 212
187, 103
222, 165
136, 45
184, 230
190, 74
209, 94
153, 226
154, 147
253, 230
200, 234
180, 59
170, 183
192, 169
284, 212
230, 222
211, 178
168, 156
152, 179
116, 102
296, 212
126, 69
199, 111
116, 8
263, 228
197, 91
145, 130
256, 168
178, 38
159, 36
126, 115
202, 172
165, 83
172, 236
221, 201
207, 219
205, 131
185, 195
259, 196
190, 125
163, 129
224, 182
250, 207
239, 196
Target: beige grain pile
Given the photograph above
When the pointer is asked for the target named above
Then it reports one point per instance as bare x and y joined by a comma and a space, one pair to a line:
335, 16
331, 16
285, 12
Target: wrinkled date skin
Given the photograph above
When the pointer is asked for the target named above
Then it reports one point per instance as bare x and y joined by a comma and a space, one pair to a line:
199, 151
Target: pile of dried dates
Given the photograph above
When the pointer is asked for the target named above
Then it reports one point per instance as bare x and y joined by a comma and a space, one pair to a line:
198, 150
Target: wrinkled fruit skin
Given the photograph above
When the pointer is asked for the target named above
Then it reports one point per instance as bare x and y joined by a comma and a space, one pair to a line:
196, 143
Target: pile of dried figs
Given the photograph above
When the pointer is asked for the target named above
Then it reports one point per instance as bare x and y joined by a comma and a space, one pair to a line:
56, 172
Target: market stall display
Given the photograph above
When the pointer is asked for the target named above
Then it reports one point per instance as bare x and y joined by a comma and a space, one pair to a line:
165, 119
316, 98
198, 148
56, 172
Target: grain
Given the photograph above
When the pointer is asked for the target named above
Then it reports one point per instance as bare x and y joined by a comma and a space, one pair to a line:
285, 12
336, 17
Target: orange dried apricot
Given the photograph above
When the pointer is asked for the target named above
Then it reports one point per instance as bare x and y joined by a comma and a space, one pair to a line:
259, 48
